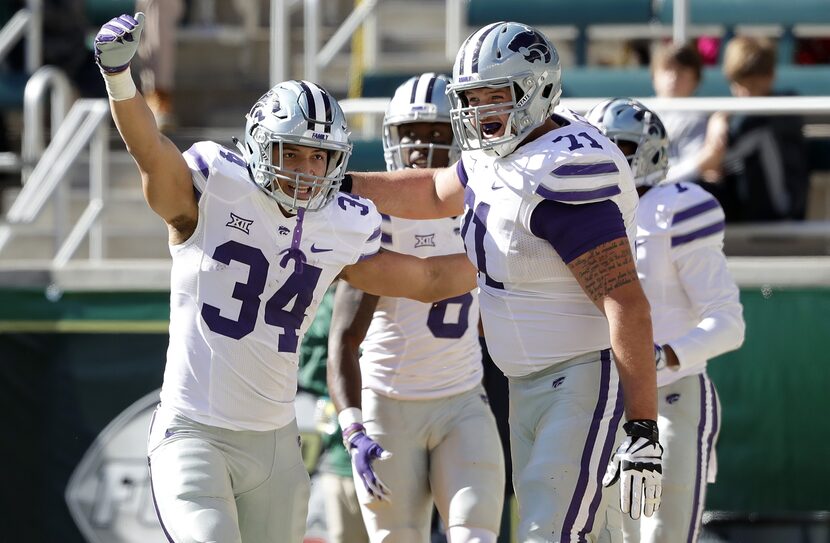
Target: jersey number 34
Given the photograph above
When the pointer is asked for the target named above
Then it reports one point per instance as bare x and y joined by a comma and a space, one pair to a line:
298, 287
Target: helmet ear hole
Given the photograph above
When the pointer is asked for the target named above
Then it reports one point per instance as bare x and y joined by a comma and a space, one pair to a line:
518, 92
547, 90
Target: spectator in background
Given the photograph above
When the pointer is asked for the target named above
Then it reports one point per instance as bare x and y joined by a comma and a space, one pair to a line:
763, 175
157, 52
676, 72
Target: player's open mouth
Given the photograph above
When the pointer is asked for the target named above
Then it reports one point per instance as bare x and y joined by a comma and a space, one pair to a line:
488, 129
420, 162
301, 193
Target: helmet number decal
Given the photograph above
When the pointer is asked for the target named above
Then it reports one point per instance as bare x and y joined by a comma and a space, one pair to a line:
298, 287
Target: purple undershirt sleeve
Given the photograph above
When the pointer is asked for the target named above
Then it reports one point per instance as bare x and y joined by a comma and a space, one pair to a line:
573, 230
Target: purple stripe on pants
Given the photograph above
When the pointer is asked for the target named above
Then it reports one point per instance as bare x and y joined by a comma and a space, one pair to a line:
607, 450
701, 427
587, 452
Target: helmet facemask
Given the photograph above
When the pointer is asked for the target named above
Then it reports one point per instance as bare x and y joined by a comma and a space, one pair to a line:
398, 154
421, 100
270, 170
530, 104
302, 114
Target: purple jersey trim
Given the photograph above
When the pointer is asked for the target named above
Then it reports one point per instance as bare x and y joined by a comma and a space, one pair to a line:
385, 217
598, 168
694, 211
697, 234
577, 195
385, 238
462, 173
200, 162
374, 235
575, 230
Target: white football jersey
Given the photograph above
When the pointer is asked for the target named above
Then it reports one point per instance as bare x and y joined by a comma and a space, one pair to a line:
534, 312
239, 306
695, 305
415, 350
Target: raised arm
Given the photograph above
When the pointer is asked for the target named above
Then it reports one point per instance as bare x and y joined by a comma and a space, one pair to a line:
403, 276
413, 193
164, 173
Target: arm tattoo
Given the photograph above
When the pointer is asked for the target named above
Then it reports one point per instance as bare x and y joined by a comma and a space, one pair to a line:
602, 270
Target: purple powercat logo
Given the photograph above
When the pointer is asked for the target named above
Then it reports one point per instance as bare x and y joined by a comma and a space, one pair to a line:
557, 382
672, 398
532, 45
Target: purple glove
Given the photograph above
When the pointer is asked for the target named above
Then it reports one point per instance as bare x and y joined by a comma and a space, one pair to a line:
364, 450
117, 42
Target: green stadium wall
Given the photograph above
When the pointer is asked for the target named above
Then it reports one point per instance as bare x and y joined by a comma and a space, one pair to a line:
77, 360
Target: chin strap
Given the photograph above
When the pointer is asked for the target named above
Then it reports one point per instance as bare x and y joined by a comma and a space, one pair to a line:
294, 252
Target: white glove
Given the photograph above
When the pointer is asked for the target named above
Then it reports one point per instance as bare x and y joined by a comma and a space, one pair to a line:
117, 42
638, 463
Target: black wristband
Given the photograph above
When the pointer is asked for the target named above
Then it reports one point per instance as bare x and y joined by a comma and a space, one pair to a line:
346, 183
642, 428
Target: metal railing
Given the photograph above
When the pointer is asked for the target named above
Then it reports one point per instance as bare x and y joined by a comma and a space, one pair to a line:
56, 83
86, 124
27, 21
774, 105
316, 57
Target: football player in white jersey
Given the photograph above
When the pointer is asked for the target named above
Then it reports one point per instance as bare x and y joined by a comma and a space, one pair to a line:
549, 220
695, 308
256, 239
420, 366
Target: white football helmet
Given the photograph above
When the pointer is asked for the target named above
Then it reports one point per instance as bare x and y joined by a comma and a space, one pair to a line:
624, 119
300, 113
511, 55
421, 99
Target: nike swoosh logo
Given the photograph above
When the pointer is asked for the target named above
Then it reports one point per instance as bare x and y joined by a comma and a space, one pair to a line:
496, 186
316, 250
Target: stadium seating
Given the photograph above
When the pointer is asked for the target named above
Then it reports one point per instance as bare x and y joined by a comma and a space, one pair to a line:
561, 13
588, 82
100, 11
724, 13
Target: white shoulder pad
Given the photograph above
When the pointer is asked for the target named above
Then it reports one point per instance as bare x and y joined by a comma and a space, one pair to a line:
358, 223
581, 182
205, 158
580, 165
697, 217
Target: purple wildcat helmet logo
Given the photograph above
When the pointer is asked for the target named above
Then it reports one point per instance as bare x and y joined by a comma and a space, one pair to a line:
532, 45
